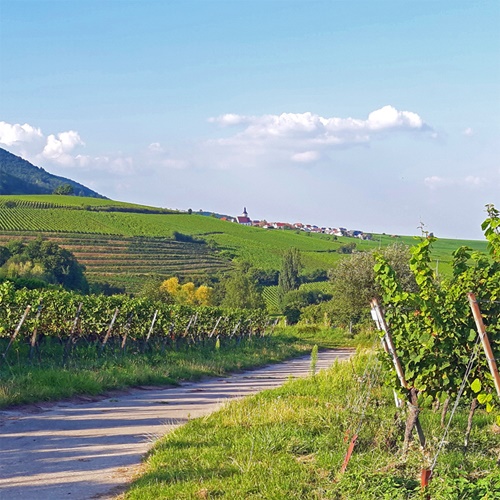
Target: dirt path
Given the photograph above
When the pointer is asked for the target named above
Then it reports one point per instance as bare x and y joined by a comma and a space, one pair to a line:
88, 450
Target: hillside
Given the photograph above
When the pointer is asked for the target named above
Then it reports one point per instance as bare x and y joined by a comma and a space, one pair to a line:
124, 243
18, 176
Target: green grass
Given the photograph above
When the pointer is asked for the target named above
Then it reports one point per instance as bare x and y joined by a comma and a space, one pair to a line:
87, 375
322, 286
289, 443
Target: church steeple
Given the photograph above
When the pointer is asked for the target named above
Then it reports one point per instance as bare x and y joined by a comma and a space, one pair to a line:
245, 214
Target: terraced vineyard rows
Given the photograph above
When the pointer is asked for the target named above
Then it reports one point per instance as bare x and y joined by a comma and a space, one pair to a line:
75, 202
54, 220
262, 248
271, 297
127, 262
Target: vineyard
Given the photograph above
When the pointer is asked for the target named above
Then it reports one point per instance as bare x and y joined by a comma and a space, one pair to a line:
66, 323
75, 203
262, 248
271, 297
127, 262
438, 351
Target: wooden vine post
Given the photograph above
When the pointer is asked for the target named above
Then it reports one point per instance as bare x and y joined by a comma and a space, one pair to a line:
485, 340
214, 329
35, 330
413, 421
412, 393
127, 330
71, 338
108, 333
150, 331
16, 331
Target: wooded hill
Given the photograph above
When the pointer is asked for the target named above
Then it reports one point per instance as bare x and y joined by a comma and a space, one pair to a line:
18, 176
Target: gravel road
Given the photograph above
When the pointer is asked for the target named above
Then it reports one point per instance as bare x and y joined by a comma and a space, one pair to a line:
91, 449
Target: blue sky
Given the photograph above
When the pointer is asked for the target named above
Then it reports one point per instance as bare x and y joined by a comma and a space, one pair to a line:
373, 115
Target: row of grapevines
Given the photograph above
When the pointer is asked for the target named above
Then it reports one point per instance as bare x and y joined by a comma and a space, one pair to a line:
52, 220
135, 315
434, 330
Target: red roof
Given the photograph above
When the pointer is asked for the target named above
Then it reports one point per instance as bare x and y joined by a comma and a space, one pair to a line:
243, 220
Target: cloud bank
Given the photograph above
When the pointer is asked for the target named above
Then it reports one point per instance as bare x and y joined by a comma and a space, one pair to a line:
305, 136
293, 138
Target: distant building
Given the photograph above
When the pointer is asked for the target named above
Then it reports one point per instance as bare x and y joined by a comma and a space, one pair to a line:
243, 218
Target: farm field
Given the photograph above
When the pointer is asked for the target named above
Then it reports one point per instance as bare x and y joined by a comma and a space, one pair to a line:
76, 202
59, 220
127, 261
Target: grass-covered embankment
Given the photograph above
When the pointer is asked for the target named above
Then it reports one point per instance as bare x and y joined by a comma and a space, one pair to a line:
289, 443
21, 383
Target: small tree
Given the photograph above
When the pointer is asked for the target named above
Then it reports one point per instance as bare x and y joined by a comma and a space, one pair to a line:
64, 189
4, 255
45, 259
291, 264
353, 281
186, 294
242, 289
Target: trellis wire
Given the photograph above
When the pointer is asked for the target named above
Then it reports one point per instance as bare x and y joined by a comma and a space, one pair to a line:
470, 365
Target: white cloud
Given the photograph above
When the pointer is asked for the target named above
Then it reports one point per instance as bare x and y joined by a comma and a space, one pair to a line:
58, 148
303, 137
155, 147
306, 157
320, 129
474, 180
434, 181
230, 119
468, 132
389, 117
470, 181
15, 134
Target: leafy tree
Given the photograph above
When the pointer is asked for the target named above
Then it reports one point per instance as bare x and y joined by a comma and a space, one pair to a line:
153, 289
4, 255
170, 286
65, 189
348, 248
242, 289
291, 264
314, 276
297, 300
188, 293
203, 296
105, 288
267, 277
353, 282
45, 260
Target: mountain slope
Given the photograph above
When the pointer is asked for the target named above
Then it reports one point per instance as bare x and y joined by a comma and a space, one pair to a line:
18, 176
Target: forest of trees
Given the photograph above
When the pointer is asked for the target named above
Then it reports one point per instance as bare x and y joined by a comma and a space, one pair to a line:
18, 176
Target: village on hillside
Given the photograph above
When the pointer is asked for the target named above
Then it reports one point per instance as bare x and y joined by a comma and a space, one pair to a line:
245, 220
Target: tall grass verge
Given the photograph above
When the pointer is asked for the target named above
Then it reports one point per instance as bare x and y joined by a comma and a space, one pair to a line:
88, 374
289, 443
